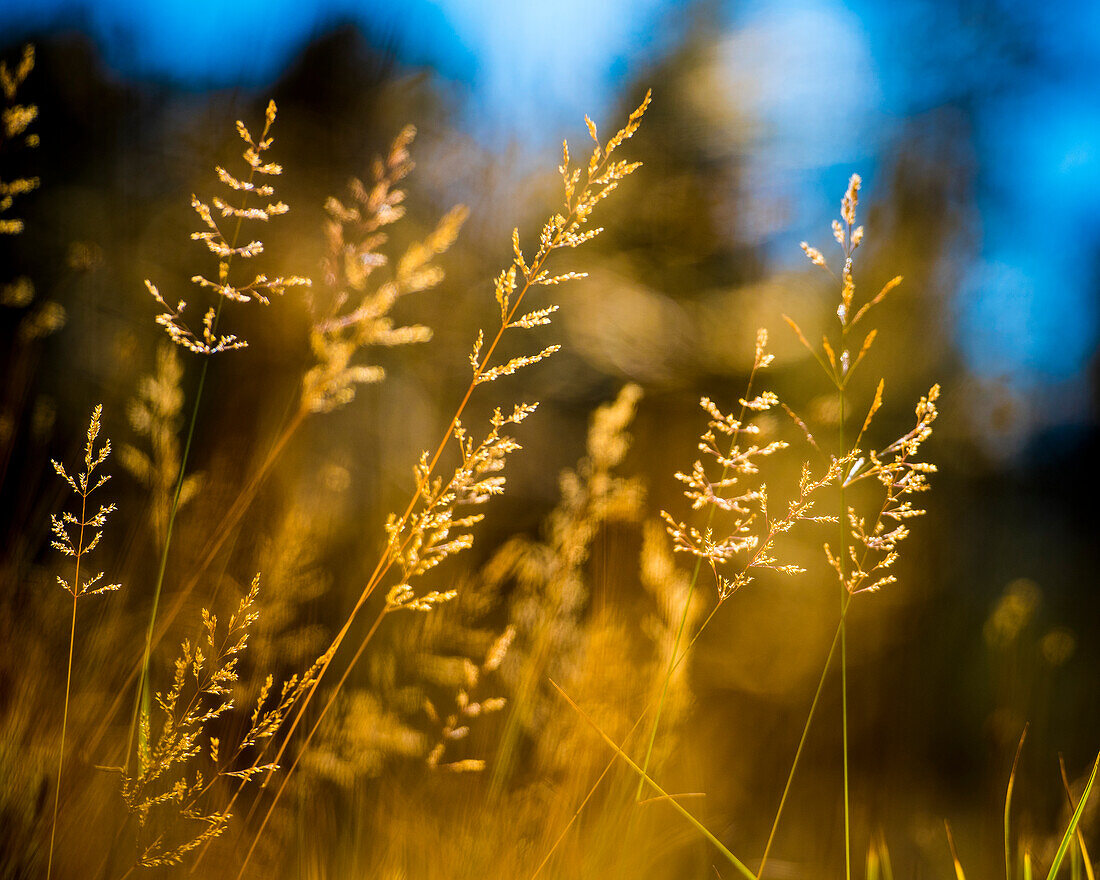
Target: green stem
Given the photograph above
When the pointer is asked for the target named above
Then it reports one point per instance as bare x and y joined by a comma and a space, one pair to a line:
699, 826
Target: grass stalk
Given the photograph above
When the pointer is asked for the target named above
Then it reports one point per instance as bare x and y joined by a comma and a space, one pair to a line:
802, 739
68, 683
845, 598
386, 561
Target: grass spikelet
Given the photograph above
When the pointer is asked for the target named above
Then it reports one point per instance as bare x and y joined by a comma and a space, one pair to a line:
172, 793
15, 119
225, 247
357, 312
155, 414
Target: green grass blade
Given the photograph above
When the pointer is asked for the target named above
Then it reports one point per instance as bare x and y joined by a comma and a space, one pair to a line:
1082, 848
699, 826
1067, 838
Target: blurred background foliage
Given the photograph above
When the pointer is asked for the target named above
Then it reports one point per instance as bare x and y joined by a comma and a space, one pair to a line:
977, 130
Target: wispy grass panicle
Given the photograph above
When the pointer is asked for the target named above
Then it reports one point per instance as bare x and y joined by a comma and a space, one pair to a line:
874, 541
225, 246
356, 311
727, 482
419, 542
455, 725
172, 791
76, 535
155, 414
869, 545
15, 119
584, 188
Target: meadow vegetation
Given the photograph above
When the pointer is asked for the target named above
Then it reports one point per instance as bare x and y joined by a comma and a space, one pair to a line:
259, 682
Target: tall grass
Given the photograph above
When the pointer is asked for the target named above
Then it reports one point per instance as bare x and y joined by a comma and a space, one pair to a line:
536, 713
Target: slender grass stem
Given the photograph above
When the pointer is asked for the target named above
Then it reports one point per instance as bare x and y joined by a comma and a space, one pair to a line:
68, 681
1008, 803
845, 598
802, 739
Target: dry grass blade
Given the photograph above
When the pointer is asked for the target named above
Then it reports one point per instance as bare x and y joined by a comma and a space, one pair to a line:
959, 873
1008, 803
